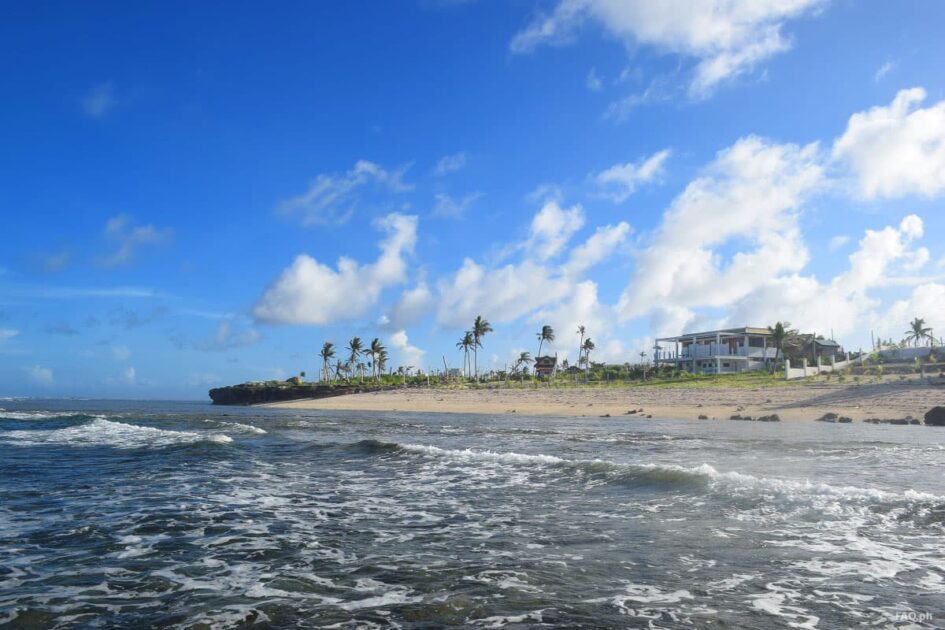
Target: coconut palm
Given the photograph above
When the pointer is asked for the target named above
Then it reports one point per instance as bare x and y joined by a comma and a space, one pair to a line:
918, 331
355, 348
373, 351
480, 329
587, 346
547, 334
581, 330
382, 357
465, 343
779, 333
522, 362
327, 354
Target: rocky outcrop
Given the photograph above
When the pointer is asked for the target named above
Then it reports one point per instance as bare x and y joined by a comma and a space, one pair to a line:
834, 418
257, 393
935, 417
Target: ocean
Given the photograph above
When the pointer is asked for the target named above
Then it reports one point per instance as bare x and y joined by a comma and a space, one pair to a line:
184, 515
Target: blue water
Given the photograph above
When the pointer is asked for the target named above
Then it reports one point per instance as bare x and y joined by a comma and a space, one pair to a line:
130, 514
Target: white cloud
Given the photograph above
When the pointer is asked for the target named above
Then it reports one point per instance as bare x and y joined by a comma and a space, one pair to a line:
450, 164
333, 197
8, 333
99, 101
725, 37
896, 150
750, 193
552, 227
121, 353
844, 304
412, 306
128, 376
409, 355
533, 286
883, 70
41, 375
925, 302
621, 180
593, 81
129, 237
449, 207
309, 292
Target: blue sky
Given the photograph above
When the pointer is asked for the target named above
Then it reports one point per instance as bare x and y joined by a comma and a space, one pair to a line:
196, 194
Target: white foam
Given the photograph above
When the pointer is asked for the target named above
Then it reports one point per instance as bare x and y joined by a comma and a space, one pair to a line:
35, 415
470, 455
102, 432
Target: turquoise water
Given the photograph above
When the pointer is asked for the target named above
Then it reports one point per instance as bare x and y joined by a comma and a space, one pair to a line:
127, 514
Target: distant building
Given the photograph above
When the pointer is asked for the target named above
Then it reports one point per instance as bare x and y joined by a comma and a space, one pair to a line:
546, 367
717, 351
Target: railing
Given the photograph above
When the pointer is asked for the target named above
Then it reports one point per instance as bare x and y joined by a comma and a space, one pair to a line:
706, 351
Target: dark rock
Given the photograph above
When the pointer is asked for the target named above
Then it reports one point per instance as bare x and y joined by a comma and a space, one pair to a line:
702, 416
935, 417
897, 421
649, 415
737, 416
828, 417
844, 420
772, 418
606, 415
256, 393
741, 417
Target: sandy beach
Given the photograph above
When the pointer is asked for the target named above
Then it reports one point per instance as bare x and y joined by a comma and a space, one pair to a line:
889, 398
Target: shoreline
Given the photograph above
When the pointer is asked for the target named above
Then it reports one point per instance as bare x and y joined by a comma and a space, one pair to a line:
890, 398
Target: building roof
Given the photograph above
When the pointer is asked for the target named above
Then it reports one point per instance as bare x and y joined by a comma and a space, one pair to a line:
830, 343
745, 330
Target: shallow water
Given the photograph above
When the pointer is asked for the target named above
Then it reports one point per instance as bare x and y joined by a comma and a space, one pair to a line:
185, 515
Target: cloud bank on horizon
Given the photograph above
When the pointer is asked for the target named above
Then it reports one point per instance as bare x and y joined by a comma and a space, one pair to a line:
649, 168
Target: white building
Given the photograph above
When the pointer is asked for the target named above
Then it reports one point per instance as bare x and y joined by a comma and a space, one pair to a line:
717, 351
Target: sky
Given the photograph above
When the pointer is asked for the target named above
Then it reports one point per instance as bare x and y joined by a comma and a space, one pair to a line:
200, 194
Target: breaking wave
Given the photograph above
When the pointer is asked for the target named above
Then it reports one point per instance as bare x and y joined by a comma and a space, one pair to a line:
102, 432
704, 476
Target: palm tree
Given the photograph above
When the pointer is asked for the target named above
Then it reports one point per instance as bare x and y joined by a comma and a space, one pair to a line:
587, 346
382, 358
373, 351
465, 344
480, 329
523, 360
327, 354
355, 347
779, 332
547, 334
581, 330
918, 331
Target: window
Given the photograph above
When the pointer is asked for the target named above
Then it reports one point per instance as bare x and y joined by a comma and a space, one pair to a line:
756, 342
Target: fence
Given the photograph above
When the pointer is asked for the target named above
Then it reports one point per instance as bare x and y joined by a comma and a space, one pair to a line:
820, 368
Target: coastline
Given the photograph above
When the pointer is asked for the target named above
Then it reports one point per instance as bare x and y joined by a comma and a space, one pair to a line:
889, 398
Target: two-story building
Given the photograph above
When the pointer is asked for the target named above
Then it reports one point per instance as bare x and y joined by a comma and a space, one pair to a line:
717, 351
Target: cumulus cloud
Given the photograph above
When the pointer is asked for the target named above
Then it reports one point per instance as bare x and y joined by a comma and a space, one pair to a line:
410, 355
552, 227
121, 231
40, 375
310, 292
8, 333
546, 282
412, 305
725, 37
621, 180
751, 193
450, 164
333, 197
896, 150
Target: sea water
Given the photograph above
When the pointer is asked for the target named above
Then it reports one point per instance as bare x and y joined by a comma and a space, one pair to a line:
186, 515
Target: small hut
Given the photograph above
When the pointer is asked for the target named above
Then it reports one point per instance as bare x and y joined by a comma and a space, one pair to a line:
546, 367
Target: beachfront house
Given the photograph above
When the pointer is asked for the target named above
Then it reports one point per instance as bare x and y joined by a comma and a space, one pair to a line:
717, 351
546, 367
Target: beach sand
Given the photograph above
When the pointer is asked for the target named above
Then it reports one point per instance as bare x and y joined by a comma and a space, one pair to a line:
889, 398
